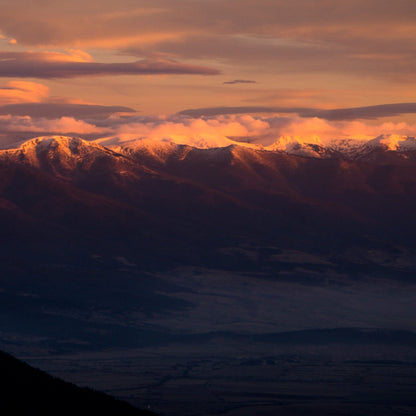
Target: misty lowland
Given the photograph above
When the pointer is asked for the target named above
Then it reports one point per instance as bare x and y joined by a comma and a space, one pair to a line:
223, 281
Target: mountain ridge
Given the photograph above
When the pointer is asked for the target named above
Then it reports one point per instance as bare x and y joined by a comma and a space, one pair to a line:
182, 203
347, 148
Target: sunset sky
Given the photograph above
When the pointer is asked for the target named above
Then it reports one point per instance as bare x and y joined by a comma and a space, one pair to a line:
207, 68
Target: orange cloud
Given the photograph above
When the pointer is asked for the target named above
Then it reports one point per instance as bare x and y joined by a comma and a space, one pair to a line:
261, 132
318, 131
15, 92
64, 125
280, 133
297, 36
70, 55
366, 48
195, 132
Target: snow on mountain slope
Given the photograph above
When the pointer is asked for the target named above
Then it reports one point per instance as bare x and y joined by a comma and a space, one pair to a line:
390, 149
193, 195
207, 141
68, 148
393, 142
303, 149
64, 156
346, 148
150, 149
310, 147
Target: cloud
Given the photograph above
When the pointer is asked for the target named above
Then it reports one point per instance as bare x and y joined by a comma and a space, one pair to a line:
54, 26
55, 110
182, 130
64, 125
293, 37
218, 131
354, 113
248, 130
240, 81
23, 91
316, 130
366, 47
300, 35
215, 111
58, 65
368, 112
24, 98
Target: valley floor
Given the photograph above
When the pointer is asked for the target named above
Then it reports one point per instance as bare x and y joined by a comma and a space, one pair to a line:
212, 342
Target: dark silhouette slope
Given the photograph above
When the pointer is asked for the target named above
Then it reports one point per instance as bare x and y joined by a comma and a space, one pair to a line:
26, 391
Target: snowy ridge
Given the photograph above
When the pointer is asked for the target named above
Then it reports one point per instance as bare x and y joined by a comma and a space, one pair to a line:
198, 141
393, 142
59, 154
159, 150
65, 144
346, 148
70, 146
73, 150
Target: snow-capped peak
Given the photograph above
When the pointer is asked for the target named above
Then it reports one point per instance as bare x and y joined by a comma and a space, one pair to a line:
71, 151
348, 148
297, 145
393, 142
56, 153
72, 144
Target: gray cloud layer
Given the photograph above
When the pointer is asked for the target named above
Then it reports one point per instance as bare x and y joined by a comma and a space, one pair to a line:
240, 81
37, 65
368, 112
57, 110
372, 36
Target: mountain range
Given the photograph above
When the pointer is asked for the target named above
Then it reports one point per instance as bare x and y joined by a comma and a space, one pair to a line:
159, 203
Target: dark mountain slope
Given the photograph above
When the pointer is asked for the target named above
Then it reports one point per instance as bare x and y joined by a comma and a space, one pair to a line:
180, 205
26, 391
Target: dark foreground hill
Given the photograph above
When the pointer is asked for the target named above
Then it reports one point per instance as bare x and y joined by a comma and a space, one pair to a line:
29, 391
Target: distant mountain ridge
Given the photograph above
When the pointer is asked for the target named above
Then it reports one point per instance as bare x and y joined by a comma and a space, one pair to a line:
160, 200
314, 147
160, 150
